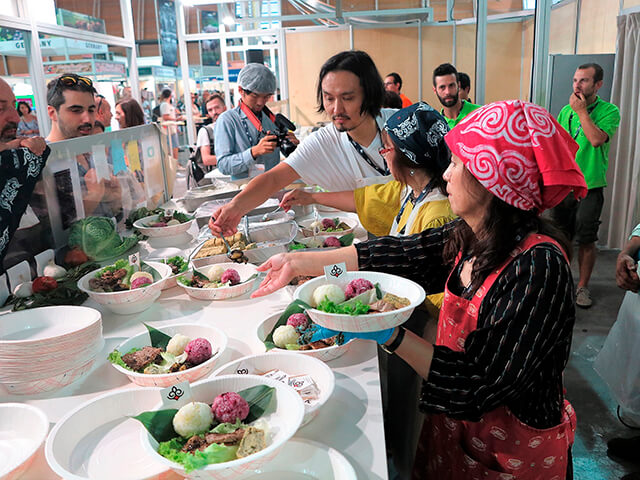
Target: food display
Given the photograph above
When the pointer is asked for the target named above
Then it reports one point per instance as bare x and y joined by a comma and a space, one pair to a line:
216, 277
165, 354
98, 239
167, 220
327, 226
121, 276
358, 298
200, 434
322, 242
216, 246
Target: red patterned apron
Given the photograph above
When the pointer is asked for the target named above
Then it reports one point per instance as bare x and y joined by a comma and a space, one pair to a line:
499, 446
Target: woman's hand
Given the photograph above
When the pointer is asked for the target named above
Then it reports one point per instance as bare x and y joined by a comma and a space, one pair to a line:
627, 273
224, 221
282, 269
296, 197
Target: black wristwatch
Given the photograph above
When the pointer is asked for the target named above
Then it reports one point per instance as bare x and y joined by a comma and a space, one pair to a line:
393, 346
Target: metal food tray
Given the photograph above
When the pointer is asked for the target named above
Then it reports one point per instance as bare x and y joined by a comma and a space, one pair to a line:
217, 190
270, 240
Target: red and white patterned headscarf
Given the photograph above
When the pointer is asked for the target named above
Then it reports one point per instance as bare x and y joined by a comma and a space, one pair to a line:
520, 153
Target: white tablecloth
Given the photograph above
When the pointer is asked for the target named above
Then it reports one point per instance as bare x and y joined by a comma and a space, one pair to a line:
351, 421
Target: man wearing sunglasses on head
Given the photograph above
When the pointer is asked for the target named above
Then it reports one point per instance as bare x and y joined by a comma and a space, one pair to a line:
72, 110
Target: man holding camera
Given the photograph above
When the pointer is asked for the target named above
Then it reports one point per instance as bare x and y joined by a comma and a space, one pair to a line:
244, 136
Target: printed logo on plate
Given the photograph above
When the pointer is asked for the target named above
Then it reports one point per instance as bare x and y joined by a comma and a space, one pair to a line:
498, 432
335, 272
176, 395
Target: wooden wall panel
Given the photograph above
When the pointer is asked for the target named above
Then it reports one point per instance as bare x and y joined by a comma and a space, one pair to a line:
527, 59
597, 29
437, 48
306, 52
504, 55
466, 53
393, 50
562, 30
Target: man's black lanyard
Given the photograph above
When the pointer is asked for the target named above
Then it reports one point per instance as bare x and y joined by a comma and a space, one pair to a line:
425, 191
364, 155
590, 109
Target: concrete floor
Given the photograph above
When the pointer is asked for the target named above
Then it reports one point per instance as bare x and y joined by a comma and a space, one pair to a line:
594, 405
595, 408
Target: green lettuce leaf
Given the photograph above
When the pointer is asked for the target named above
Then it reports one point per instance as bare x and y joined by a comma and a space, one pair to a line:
115, 357
358, 308
214, 453
229, 427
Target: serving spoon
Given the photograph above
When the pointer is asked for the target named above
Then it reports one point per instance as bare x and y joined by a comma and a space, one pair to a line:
235, 255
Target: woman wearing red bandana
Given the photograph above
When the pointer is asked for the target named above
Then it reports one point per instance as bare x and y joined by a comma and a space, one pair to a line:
493, 379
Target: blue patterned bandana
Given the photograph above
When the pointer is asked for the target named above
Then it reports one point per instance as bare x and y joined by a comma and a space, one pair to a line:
418, 131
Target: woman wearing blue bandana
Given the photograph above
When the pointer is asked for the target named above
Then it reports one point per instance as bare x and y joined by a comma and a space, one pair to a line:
415, 200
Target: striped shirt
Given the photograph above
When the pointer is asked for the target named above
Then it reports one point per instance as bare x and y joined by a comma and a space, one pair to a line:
520, 347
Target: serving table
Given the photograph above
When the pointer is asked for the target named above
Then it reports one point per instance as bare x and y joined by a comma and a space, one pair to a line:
351, 421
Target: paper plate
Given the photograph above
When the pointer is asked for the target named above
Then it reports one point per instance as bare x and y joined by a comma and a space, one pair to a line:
169, 231
303, 459
97, 439
245, 271
369, 322
23, 428
307, 231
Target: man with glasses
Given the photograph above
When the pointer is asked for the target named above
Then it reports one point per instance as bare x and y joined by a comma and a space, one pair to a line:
72, 110
242, 135
393, 83
103, 114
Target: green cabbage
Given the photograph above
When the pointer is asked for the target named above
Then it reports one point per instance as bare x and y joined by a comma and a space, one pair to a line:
97, 237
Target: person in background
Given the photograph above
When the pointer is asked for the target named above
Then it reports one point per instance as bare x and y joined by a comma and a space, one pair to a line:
28, 125
391, 100
129, 113
205, 143
168, 113
195, 108
71, 108
343, 155
243, 135
464, 82
203, 106
103, 114
447, 89
493, 380
591, 122
393, 83
17, 179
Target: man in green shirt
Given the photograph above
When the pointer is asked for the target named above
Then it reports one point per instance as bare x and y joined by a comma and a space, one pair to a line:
591, 122
447, 89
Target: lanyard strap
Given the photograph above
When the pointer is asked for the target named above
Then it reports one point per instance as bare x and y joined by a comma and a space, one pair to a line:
255, 121
590, 110
425, 191
363, 154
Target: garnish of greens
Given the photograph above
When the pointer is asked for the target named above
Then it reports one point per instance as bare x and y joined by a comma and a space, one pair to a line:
159, 424
357, 308
142, 212
98, 238
66, 293
157, 338
180, 263
297, 306
345, 241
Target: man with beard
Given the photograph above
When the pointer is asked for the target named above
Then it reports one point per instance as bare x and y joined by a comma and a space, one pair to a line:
215, 107
19, 172
591, 122
243, 135
343, 155
447, 89
72, 110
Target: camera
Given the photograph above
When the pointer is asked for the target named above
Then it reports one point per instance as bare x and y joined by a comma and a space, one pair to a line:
283, 125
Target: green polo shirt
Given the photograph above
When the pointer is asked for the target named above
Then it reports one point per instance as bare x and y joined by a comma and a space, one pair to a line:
592, 161
467, 108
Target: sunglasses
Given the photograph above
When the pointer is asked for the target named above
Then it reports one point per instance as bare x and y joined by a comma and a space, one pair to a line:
69, 80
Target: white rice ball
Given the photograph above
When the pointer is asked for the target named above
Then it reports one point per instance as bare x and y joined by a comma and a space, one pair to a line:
285, 334
193, 419
177, 344
215, 273
332, 291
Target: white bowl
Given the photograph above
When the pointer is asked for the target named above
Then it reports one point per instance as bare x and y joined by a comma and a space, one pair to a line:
98, 439
170, 231
23, 428
245, 270
128, 301
369, 322
307, 231
291, 364
216, 337
324, 354
283, 417
301, 458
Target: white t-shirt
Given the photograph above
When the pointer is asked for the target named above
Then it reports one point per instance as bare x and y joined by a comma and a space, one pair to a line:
203, 136
327, 158
167, 109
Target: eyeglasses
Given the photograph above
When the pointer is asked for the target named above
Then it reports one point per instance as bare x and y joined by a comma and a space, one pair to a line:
69, 80
383, 151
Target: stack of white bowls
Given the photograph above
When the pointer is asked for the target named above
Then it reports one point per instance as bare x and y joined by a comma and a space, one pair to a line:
45, 349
